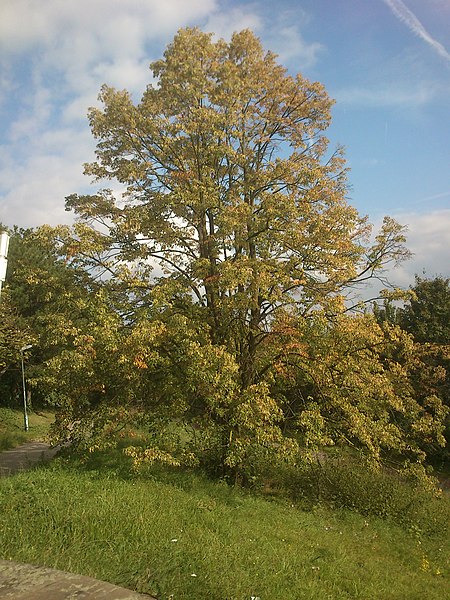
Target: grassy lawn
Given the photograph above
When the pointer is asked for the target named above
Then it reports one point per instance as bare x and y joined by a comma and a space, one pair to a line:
180, 536
12, 431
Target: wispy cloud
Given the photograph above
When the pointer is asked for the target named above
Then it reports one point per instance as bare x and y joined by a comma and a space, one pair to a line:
291, 46
284, 35
389, 96
402, 12
224, 24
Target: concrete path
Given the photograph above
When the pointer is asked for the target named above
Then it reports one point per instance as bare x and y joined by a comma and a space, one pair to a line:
26, 582
23, 457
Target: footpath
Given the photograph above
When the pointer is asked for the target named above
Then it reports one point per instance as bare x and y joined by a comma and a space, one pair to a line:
25, 456
20, 581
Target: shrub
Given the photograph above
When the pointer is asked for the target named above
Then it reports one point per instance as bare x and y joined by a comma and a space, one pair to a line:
369, 492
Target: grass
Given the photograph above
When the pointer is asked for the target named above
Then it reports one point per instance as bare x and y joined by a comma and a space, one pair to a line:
177, 535
12, 431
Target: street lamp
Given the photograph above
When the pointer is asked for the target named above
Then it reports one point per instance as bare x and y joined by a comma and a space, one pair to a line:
25, 414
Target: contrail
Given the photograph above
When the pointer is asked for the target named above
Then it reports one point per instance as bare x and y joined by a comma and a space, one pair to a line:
412, 22
435, 197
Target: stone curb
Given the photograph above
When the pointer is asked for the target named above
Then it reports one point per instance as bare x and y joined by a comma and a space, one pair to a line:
20, 581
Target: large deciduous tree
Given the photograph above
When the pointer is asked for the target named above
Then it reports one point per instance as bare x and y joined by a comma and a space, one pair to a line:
229, 188
232, 219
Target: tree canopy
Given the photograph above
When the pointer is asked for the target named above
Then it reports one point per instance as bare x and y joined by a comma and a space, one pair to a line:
427, 314
229, 190
47, 303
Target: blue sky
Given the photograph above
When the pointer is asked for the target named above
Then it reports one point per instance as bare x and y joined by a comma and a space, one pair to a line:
385, 62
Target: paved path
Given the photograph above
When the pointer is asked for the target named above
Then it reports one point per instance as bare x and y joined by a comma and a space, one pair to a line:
23, 457
20, 581
27, 582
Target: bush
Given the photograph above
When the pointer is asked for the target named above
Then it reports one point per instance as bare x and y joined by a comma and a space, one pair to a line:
369, 492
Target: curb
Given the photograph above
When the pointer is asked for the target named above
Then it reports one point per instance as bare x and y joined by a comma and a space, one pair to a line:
19, 581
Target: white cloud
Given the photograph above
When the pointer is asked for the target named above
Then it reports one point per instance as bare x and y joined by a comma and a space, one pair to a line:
34, 115
282, 36
402, 12
24, 23
55, 55
224, 24
290, 44
82, 40
125, 73
35, 186
389, 95
428, 238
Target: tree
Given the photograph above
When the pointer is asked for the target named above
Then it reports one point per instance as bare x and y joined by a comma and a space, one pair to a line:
46, 301
229, 189
352, 382
427, 318
232, 199
14, 334
427, 315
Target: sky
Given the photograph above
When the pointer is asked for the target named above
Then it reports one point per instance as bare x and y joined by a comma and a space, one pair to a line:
385, 62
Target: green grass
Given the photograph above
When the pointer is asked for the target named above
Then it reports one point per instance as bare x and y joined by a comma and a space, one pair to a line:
178, 535
12, 431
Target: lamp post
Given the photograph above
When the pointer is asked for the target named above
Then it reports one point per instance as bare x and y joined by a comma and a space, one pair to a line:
4, 243
25, 414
